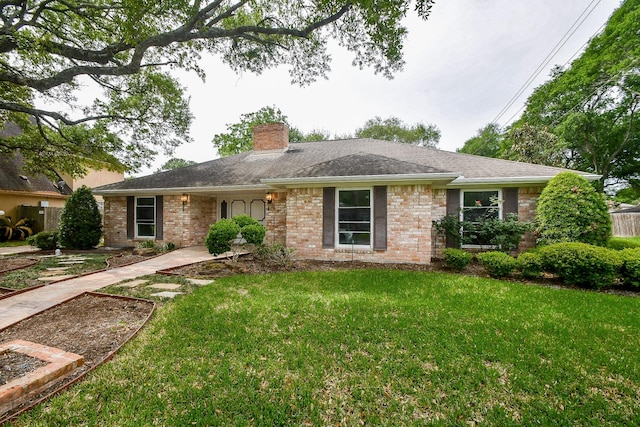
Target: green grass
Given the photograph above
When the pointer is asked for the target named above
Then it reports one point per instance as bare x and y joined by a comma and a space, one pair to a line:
375, 347
12, 243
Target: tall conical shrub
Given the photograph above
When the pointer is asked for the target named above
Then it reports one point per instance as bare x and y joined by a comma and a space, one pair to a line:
80, 222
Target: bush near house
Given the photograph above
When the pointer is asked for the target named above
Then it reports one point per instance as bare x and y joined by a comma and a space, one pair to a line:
221, 235
529, 264
497, 264
630, 268
456, 259
80, 221
46, 240
570, 210
582, 264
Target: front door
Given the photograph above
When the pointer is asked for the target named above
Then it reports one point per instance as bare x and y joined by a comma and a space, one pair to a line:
254, 206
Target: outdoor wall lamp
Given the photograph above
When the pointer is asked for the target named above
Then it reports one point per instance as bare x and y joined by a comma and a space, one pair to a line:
184, 199
269, 198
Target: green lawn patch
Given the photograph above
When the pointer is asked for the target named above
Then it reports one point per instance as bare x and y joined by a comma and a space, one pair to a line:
372, 347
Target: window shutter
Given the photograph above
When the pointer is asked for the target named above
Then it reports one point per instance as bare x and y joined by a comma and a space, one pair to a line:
510, 202
131, 218
159, 216
328, 217
380, 217
453, 208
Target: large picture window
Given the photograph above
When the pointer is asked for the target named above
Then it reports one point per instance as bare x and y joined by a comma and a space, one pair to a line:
146, 217
354, 217
478, 206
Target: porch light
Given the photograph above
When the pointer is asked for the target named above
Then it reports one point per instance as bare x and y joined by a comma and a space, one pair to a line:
269, 198
184, 199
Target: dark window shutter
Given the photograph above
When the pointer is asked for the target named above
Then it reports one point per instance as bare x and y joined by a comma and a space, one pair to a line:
510, 201
328, 217
453, 208
223, 209
131, 217
380, 217
159, 217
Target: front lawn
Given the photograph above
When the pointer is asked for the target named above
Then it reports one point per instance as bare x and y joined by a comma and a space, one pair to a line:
372, 347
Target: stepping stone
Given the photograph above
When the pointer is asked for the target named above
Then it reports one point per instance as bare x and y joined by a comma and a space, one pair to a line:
165, 286
166, 294
55, 278
200, 282
132, 284
51, 273
57, 268
70, 262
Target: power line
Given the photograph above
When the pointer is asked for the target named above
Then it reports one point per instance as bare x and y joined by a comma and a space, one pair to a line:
574, 27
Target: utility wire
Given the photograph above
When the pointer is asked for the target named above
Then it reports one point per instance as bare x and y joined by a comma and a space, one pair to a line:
574, 27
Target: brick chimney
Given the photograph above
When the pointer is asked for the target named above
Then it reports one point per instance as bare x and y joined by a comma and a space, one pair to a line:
270, 137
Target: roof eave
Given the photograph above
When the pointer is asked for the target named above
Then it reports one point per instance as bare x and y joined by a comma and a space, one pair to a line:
514, 181
422, 178
181, 190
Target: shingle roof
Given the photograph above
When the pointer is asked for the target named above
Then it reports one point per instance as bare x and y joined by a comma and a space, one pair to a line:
13, 178
339, 158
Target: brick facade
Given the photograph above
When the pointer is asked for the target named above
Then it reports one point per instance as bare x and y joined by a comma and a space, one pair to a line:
276, 219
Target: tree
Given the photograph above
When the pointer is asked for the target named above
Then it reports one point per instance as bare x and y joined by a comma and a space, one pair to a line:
174, 163
537, 145
570, 210
80, 221
393, 129
52, 50
487, 142
592, 106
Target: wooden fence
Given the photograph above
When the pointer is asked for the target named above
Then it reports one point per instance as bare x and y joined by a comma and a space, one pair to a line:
626, 224
45, 219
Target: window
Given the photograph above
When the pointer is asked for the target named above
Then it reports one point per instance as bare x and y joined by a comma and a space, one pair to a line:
145, 217
480, 205
354, 217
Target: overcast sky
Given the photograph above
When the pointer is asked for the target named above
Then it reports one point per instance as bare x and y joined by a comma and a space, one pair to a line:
463, 66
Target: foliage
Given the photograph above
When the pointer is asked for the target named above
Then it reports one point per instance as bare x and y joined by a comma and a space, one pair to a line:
393, 129
456, 259
169, 246
503, 233
497, 264
487, 142
531, 144
80, 221
274, 254
173, 164
221, 235
591, 107
244, 220
629, 194
368, 347
630, 269
18, 231
53, 51
253, 234
582, 264
570, 210
529, 264
620, 243
45, 240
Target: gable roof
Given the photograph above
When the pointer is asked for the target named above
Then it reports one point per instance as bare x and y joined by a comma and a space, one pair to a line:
13, 178
338, 161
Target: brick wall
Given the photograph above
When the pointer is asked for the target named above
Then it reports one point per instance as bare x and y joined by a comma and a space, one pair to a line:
276, 219
408, 227
115, 222
439, 210
271, 136
527, 202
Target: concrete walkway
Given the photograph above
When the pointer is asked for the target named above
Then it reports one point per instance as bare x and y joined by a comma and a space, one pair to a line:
18, 307
12, 250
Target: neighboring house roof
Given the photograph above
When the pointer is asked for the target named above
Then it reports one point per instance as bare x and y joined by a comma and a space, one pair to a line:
353, 160
13, 178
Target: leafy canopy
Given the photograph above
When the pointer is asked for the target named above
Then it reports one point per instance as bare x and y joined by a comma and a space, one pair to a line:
486, 143
52, 51
174, 163
394, 129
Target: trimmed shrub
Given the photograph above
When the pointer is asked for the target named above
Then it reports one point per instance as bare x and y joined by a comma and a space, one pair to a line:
46, 240
620, 243
503, 233
529, 264
275, 254
253, 233
570, 210
582, 264
221, 235
244, 220
630, 269
80, 221
457, 258
497, 264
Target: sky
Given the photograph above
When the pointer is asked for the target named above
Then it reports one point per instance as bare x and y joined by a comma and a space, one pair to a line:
463, 66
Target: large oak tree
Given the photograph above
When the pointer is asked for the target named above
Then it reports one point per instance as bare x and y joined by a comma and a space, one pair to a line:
51, 51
